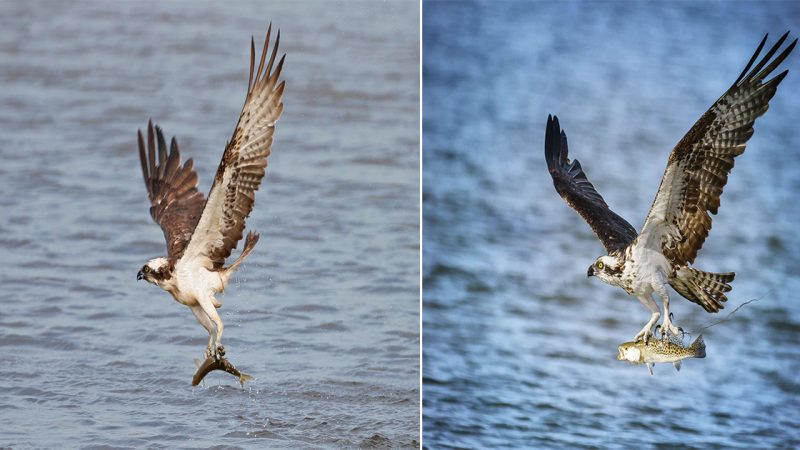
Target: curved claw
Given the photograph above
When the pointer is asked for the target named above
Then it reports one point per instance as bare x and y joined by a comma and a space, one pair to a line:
216, 353
669, 329
643, 335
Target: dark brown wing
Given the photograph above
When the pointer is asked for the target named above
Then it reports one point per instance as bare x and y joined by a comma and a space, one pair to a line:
243, 164
573, 186
698, 167
172, 189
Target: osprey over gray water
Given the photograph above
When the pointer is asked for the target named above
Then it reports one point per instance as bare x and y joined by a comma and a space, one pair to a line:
678, 222
201, 233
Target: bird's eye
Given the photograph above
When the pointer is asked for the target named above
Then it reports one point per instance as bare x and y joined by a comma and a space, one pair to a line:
599, 264
146, 269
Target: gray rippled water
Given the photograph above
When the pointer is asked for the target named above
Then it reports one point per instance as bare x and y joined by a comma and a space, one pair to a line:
325, 314
519, 346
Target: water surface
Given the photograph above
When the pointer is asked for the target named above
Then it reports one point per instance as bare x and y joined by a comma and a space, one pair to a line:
325, 313
519, 346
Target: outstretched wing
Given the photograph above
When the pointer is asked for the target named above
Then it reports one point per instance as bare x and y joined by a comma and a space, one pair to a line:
573, 186
698, 167
172, 189
243, 163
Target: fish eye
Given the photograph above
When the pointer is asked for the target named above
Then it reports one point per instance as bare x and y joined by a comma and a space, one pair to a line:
599, 264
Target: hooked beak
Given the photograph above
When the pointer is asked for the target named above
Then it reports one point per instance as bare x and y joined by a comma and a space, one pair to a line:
590, 272
139, 276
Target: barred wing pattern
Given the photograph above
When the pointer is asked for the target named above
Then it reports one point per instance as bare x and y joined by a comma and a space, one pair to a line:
243, 163
571, 183
698, 167
172, 189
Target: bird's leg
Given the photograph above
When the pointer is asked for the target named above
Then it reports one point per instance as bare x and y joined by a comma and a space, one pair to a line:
206, 322
215, 343
646, 332
668, 329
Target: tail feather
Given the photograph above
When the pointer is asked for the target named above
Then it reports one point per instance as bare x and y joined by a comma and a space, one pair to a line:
249, 243
698, 347
704, 288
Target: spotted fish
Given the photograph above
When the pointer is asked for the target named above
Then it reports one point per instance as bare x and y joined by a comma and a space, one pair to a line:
661, 351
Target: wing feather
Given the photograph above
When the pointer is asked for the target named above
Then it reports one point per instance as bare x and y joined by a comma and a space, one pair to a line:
571, 183
699, 165
244, 162
176, 204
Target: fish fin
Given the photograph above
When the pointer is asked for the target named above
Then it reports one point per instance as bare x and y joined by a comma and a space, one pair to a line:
650, 368
244, 377
197, 363
699, 347
677, 365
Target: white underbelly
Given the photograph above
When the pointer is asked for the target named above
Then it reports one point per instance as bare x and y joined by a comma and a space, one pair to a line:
194, 282
651, 268
185, 299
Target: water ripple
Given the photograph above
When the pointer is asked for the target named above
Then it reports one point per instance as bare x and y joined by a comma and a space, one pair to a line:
95, 358
519, 345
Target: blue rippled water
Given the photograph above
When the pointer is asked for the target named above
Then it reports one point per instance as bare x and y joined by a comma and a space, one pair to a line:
519, 346
325, 313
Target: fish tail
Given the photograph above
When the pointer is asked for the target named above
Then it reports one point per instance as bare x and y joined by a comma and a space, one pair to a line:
698, 347
243, 377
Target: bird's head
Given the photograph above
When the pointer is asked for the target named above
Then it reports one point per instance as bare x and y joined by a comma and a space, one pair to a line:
155, 271
608, 269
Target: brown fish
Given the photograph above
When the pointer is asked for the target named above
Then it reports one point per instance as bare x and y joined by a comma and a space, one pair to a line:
211, 364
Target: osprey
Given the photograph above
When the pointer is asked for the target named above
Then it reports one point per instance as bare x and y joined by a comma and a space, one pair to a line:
662, 252
201, 233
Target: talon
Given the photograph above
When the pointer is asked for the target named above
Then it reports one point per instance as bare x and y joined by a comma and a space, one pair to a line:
643, 335
673, 330
220, 351
669, 329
